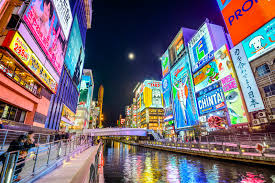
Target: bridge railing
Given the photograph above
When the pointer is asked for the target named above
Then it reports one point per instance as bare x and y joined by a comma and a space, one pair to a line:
19, 167
265, 148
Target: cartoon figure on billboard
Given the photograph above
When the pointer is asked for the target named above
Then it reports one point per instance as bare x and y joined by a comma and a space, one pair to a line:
256, 42
182, 95
212, 73
200, 49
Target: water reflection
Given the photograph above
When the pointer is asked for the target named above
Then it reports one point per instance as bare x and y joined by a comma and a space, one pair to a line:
125, 163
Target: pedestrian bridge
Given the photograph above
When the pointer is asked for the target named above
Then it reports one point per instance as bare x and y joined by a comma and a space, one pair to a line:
116, 132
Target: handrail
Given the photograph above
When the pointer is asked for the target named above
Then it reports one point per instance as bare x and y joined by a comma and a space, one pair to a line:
40, 158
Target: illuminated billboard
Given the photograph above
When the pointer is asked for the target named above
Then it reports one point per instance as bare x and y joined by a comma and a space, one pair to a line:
167, 98
75, 52
218, 68
210, 99
85, 92
183, 95
152, 95
260, 42
247, 81
22, 50
41, 19
200, 48
165, 64
177, 47
64, 13
242, 18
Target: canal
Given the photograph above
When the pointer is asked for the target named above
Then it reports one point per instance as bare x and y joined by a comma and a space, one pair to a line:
126, 163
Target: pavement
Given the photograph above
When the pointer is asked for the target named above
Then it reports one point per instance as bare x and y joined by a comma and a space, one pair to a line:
75, 170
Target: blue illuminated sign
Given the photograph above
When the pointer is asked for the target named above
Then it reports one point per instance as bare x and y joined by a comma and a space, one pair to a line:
210, 99
167, 98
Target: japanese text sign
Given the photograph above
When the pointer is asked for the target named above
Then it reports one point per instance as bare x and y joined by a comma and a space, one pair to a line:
246, 78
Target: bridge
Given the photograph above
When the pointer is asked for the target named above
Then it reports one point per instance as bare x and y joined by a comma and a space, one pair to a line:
120, 132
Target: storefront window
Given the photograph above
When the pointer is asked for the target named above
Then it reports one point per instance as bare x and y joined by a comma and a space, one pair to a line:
18, 74
11, 113
263, 70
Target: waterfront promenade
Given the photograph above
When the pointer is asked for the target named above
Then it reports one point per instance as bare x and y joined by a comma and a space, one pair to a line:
259, 152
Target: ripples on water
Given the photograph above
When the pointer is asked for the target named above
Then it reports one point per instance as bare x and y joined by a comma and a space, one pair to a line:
125, 163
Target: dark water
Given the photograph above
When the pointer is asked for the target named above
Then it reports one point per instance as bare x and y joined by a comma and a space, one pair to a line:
125, 163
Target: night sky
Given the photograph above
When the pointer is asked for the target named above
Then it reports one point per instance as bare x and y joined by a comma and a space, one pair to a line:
144, 27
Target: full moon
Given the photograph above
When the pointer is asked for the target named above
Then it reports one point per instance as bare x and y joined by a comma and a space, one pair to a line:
131, 56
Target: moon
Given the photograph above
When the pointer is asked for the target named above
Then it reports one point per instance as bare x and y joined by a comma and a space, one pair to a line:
131, 56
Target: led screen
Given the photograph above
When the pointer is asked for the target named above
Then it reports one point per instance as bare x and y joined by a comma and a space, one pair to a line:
167, 98
242, 18
183, 94
85, 92
42, 21
247, 81
165, 64
75, 51
200, 48
261, 41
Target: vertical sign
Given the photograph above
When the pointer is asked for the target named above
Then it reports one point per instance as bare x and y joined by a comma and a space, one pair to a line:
247, 81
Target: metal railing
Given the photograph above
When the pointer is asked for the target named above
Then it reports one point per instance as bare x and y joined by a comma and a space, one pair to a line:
243, 148
18, 167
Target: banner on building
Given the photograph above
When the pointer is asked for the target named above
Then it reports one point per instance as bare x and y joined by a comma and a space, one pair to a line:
41, 19
247, 81
260, 42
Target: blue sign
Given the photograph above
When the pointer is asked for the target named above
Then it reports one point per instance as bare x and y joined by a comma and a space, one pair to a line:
210, 99
75, 52
200, 48
260, 42
223, 3
167, 98
185, 113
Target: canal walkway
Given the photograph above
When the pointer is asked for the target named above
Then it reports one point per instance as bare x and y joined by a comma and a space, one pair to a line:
257, 152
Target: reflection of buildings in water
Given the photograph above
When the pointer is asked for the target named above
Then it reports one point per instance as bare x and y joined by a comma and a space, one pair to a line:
156, 167
139, 167
188, 172
127, 169
172, 170
147, 175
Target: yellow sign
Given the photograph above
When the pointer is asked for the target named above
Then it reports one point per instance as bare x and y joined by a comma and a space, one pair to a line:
68, 114
23, 51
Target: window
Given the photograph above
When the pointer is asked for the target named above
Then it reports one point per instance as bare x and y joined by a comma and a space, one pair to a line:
269, 90
263, 70
12, 113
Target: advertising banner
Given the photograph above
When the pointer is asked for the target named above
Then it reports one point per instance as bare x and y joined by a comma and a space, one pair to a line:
21, 49
261, 41
165, 64
67, 115
152, 95
200, 48
233, 100
183, 94
176, 48
75, 50
64, 13
246, 78
85, 92
242, 18
219, 68
42, 21
210, 99
167, 98
216, 120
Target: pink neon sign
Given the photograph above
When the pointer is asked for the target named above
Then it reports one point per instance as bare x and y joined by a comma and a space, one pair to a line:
42, 21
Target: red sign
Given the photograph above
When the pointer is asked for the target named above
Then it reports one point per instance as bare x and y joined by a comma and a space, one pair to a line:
243, 17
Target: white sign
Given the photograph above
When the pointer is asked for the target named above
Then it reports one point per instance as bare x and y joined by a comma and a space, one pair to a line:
64, 14
200, 48
247, 81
